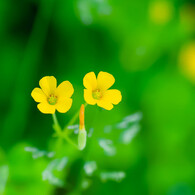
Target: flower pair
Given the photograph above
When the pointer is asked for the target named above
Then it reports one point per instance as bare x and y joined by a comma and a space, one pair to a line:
52, 98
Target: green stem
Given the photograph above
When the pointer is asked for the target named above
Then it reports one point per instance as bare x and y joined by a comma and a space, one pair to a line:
66, 131
58, 130
55, 120
67, 138
56, 125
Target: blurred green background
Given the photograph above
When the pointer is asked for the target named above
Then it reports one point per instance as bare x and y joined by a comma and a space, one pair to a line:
149, 47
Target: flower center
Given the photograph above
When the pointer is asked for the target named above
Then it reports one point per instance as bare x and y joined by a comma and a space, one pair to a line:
52, 99
97, 94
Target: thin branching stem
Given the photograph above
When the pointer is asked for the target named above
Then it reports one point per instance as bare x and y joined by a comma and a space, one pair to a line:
72, 121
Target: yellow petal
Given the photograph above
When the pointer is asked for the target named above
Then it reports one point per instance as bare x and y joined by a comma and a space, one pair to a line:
88, 97
65, 89
110, 97
105, 80
38, 95
104, 104
113, 95
64, 104
90, 81
48, 85
46, 108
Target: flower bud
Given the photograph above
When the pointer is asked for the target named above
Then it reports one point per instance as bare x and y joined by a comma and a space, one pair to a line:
82, 139
82, 136
82, 118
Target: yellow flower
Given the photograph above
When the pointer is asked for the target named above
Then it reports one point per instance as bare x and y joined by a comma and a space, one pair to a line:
97, 92
51, 98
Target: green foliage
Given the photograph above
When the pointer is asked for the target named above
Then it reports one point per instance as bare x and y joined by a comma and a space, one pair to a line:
67, 39
56, 164
4, 172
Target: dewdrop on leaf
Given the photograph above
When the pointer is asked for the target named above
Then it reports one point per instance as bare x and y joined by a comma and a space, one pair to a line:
82, 136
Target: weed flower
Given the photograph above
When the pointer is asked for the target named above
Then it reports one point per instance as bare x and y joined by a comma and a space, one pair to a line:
52, 98
97, 92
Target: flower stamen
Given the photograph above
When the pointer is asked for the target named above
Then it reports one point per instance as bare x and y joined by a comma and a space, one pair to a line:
97, 94
52, 99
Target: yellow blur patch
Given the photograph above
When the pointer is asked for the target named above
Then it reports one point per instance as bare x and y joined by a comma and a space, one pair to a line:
187, 61
161, 12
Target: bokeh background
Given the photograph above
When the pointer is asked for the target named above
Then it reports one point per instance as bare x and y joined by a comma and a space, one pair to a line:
149, 47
